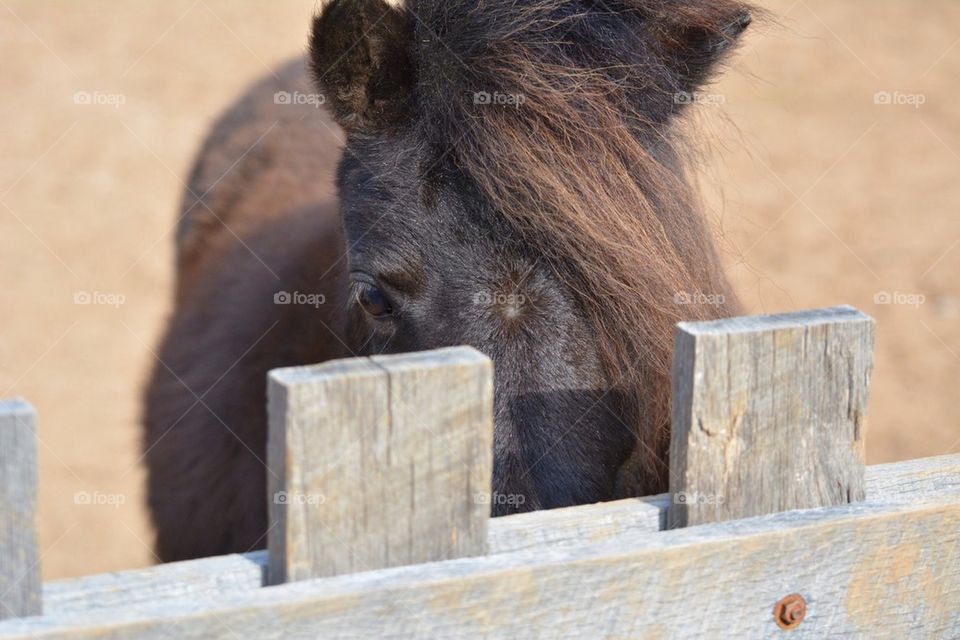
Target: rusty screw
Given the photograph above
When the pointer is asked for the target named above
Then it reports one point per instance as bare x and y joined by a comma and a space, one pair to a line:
789, 611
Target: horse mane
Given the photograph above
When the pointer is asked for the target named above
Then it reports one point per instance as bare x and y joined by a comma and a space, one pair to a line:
587, 169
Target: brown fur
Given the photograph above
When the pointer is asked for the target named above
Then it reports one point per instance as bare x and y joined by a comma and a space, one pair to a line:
581, 187
587, 170
270, 223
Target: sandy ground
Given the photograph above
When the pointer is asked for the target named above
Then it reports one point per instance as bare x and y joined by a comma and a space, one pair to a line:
822, 195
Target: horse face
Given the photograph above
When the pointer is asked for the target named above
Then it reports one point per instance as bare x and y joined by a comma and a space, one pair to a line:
432, 260
430, 266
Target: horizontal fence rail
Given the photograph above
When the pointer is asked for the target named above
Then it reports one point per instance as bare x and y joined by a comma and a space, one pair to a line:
793, 533
895, 558
897, 483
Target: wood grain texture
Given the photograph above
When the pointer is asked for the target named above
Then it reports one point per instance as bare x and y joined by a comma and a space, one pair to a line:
914, 479
571, 526
902, 482
382, 462
868, 570
187, 580
769, 414
20, 593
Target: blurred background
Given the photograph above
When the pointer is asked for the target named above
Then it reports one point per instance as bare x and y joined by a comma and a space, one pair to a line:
833, 176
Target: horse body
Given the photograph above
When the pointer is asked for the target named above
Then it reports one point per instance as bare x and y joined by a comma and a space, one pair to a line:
259, 219
554, 231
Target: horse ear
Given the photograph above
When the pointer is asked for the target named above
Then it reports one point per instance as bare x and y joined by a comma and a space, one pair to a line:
693, 37
361, 61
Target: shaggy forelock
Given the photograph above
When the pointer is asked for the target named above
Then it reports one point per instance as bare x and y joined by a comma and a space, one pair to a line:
585, 168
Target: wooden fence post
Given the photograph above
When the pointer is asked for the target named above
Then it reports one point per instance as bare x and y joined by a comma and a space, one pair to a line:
19, 559
768, 414
379, 462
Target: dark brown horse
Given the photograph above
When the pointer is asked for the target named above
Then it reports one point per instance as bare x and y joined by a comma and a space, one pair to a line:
509, 175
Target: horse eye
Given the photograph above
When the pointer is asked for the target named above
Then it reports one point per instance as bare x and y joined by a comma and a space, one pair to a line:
373, 301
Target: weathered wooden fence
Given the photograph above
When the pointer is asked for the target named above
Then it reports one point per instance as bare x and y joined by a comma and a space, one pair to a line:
380, 517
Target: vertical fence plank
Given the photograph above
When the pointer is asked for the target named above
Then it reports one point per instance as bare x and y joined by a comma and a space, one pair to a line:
379, 462
19, 560
768, 414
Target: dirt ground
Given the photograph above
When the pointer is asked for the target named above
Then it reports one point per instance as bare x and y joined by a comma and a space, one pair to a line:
833, 177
